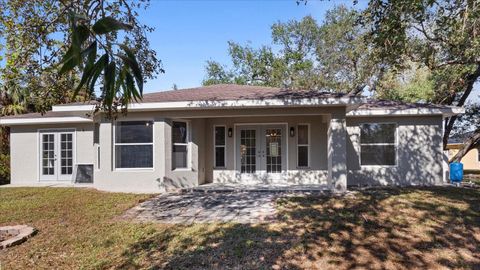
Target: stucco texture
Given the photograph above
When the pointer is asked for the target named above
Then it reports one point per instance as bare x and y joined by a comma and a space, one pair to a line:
419, 153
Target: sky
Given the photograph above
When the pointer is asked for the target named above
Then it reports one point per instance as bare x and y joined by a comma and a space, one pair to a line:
189, 32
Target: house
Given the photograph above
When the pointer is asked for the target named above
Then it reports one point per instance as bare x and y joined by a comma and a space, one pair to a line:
232, 134
471, 161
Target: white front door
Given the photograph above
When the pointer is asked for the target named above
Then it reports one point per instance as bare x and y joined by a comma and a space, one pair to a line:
57, 153
261, 153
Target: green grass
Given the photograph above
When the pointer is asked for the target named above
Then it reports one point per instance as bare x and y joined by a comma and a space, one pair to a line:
381, 228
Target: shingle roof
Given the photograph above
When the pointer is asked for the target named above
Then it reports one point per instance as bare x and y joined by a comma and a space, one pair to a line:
459, 138
221, 92
45, 115
234, 92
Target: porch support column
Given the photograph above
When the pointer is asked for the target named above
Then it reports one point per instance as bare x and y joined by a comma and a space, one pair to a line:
337, 153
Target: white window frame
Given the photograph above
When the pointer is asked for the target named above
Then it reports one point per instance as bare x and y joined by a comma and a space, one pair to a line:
187, 144
57, 152
378, 144
307, 145
115, 144
219, 145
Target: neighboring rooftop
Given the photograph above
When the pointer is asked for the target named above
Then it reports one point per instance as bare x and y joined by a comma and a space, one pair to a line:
459, 138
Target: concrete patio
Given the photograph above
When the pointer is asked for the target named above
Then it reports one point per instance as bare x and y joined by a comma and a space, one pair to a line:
206, 207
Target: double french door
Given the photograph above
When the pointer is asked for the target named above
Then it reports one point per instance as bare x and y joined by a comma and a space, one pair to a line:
261, 152
57, 155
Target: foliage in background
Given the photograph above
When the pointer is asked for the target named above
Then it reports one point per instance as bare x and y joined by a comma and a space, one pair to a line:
414, 84
442, 35
39, 33
305, 55
4, 168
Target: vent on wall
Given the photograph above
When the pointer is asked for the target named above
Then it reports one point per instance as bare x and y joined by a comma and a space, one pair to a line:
83, 173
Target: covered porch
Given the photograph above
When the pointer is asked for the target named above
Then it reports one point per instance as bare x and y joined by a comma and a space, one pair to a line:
265, 149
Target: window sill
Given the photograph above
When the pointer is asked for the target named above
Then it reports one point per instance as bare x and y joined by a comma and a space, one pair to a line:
134, 170
183, 170
219, 168
378, 166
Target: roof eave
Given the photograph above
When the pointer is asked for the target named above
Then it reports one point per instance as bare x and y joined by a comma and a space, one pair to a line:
445, 112
43, 120
225, 104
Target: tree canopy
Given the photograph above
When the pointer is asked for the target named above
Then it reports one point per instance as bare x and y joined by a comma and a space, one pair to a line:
305, 55
49, 47
442, 35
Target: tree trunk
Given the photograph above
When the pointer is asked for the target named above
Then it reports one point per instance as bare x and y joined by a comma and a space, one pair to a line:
450, 122
469, 144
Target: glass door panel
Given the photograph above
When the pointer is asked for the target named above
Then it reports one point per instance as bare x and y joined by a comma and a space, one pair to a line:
66, 153
273, 146
248, 149
48, 169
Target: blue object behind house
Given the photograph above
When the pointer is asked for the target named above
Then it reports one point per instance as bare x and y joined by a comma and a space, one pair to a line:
456, 172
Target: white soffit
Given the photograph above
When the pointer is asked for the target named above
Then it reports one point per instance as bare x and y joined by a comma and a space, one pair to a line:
448, 111
254, 103
44, 120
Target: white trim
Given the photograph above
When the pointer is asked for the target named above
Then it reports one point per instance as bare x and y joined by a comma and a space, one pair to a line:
406, 112
58, 176
235, 168
221, 104
114, 144
395, 144
224, 148
307, 145
44, 120
187, 144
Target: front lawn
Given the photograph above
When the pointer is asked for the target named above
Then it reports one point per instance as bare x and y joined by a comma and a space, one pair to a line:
383, 228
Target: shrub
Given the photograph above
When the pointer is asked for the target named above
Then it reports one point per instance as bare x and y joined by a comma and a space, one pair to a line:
4, 169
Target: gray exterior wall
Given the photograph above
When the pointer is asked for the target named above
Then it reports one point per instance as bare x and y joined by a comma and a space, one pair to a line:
334, 161
24, 149
317, 173
419, 153
161, 178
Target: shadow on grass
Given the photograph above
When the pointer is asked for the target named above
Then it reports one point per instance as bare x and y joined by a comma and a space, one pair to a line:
379, 228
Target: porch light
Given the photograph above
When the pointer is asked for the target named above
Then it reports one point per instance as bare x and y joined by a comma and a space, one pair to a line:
230, 132
292, 132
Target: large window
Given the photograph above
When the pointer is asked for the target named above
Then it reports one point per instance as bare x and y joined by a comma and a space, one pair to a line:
303, 146
378, 144
179, 145
134, 144
220, 146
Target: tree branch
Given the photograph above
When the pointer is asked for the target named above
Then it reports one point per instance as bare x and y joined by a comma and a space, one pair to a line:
470, 81
471, 143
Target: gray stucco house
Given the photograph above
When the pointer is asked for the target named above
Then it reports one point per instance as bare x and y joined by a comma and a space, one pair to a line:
232, 134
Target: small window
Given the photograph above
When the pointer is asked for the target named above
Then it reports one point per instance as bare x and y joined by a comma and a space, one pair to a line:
303, 146
134, 144
179, 145
220, 147
378, 144
96, 133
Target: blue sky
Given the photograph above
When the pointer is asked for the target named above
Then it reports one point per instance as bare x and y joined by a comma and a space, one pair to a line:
189, 32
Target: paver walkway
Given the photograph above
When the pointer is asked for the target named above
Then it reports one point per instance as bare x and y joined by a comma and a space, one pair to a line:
201, 207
